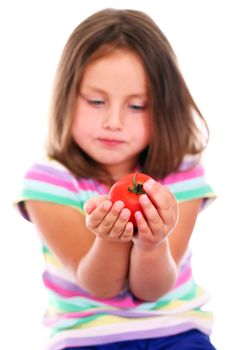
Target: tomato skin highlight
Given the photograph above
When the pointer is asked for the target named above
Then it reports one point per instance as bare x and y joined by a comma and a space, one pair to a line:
128, 189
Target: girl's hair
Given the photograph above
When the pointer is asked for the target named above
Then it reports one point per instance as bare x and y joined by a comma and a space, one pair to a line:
179, 128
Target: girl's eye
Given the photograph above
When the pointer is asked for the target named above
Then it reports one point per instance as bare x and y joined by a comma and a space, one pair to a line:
95, 102
137, 107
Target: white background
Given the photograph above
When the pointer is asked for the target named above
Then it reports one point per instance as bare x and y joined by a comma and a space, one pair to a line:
32, 35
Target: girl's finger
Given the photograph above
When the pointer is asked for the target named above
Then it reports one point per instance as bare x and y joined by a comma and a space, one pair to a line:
164, 201
94, 219
160, 195
151, 213
120, 223
109, 220
149, 234
168, 216
142, 225
93, 203
159, 222
89, 206
127, 234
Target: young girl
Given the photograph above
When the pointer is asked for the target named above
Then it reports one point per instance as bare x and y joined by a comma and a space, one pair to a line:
120, 104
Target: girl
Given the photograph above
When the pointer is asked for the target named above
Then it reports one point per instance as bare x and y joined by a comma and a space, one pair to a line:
120, 104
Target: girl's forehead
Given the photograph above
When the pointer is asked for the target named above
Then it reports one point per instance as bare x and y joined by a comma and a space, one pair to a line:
117, 73
116, 63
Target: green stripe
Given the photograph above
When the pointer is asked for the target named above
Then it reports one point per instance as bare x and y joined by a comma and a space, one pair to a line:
202, 192
82, 304
161, 304
185, 185
181, 291
37, 186
48, 197
74, 324
184, 292
79, 303
45, 250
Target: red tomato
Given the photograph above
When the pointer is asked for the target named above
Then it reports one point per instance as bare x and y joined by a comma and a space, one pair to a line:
128, 189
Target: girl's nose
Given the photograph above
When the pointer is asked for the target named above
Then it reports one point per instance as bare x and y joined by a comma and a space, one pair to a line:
113, 119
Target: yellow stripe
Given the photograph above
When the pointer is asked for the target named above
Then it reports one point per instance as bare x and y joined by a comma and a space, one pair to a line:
52, 260
110, 319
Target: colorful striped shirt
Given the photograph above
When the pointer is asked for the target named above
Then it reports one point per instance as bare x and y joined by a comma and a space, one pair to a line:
78, 319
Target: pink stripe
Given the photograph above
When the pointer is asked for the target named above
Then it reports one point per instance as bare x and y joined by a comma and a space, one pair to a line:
63, 292
48, 179
182, 176
125, 303
53, 321
186, 275
81, 185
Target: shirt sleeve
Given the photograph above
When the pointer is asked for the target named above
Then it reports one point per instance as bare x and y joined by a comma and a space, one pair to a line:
48, 181
190, 183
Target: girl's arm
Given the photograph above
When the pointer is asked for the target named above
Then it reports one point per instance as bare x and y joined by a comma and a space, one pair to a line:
161, 242
99, 266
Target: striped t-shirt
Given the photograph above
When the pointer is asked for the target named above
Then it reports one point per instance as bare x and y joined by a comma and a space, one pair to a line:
78, 319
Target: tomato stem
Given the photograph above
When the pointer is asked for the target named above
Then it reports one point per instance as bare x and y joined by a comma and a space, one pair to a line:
137, 187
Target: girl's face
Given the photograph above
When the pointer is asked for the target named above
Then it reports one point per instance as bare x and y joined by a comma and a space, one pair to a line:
112, 115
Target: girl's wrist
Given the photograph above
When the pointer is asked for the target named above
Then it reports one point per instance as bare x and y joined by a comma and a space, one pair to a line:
150, 246
111, 245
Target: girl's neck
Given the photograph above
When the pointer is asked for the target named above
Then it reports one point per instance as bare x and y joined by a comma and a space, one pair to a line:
117, 172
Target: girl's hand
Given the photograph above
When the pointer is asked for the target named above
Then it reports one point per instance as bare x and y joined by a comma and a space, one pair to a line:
159, 215
107, 220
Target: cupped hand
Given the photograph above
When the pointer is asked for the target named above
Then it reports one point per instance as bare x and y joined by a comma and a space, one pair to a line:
159, 215
107, 220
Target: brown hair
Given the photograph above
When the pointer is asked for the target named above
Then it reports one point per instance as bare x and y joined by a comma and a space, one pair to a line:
180, 128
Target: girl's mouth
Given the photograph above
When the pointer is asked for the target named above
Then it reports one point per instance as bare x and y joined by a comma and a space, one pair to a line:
110, 142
